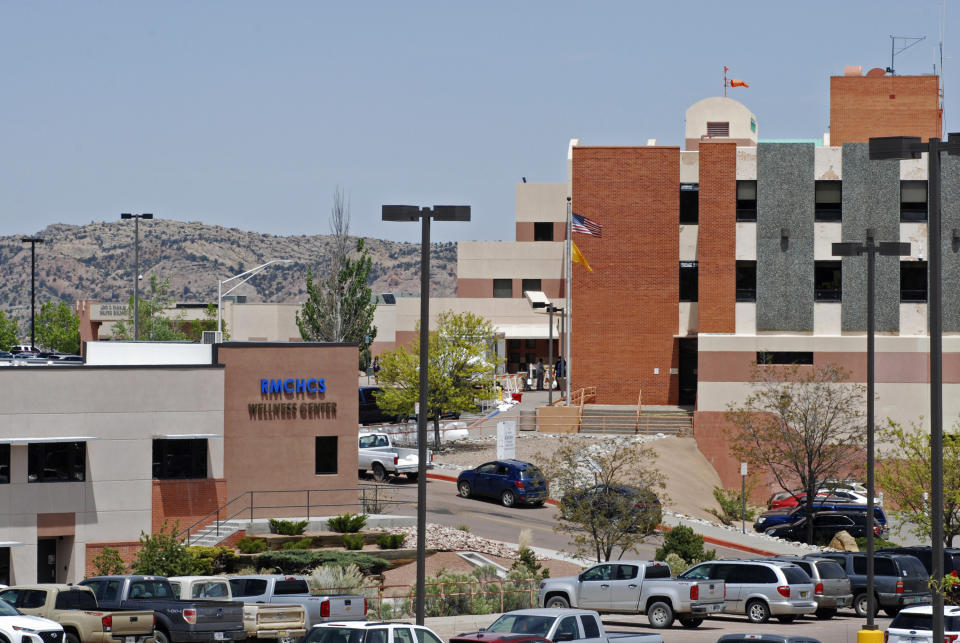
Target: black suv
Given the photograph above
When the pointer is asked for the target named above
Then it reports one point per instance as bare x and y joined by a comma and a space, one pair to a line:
370, 413
899, 580
826, 524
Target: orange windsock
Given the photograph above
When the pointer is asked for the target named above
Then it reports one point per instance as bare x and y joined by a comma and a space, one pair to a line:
738, 83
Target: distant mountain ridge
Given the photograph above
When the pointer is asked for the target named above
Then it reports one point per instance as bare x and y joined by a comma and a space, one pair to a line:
96, 261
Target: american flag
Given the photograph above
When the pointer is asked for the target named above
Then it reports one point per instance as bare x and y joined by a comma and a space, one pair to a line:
586, 226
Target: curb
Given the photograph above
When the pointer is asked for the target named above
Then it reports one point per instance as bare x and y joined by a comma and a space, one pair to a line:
708, 539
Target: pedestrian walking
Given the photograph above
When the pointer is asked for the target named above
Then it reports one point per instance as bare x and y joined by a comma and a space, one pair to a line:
560, 370
376, 369
540, 372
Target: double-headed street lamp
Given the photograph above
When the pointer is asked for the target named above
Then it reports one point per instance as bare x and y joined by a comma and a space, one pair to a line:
249, 274
871, 249
412, 213
33, 241
539, 301
136, 268
911, 147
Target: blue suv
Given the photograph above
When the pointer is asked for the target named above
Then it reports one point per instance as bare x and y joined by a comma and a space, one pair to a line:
785, 516
510, 481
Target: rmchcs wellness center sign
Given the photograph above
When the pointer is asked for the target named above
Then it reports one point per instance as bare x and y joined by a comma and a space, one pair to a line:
281, 407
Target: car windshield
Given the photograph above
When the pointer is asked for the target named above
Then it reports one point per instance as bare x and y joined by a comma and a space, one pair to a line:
6, 610
327, 634
531, 473
830, 570
522, 624
151, 589
916, 621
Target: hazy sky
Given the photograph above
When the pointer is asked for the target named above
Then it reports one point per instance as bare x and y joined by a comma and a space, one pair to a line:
249, 114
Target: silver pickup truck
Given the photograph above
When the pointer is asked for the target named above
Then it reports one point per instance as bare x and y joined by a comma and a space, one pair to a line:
636, 587
278, 588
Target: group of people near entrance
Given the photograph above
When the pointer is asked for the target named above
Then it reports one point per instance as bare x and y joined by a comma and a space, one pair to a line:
559, 372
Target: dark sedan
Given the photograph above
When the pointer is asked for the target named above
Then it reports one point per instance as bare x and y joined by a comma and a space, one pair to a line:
510, 481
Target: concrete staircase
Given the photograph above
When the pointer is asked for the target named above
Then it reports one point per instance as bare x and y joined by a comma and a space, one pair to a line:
209, 536
622, 420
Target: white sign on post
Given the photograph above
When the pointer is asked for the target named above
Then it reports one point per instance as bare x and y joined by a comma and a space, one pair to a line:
743, 468
506, 440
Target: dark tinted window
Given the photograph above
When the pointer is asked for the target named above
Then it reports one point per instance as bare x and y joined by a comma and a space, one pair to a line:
827, 280
627, 572
913, 200
746, 200
746, 281
179, 459
784, 357
802, 564
335, 635
860, 565
150, 589
531, 473
759, 574
656, 571
689, 203
326, 454
913, 281
543, 231
590, 628
4, 463
568, 626
910, 566
830, 570
796, 575
379, 635
248, 586
75, 600
32, 599
911, 621
701, 572
884, 567
531, 284
503, 288
688, 281
291, 587
57, 462
828, 198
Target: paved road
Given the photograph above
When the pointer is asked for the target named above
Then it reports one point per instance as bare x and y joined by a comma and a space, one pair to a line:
489, 519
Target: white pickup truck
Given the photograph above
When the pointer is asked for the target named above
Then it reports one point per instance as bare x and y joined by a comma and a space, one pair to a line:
557, 625
288, 623
376, 453
636, 587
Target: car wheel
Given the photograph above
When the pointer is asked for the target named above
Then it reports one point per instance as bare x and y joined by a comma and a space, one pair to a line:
660, 615
891, 611
379, 473
464, 488
689, 622
558, 602
758, 611
787, 618
507, 499
160, 636
825, 613
412, 476
539, 504
860, 606
70, 637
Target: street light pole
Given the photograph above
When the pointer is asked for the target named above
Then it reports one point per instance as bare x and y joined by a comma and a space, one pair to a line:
911, 147
249, 274
871, 249
413, 213
33, 241
136, 268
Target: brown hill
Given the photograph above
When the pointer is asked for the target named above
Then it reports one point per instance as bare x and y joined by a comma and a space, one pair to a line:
95, 261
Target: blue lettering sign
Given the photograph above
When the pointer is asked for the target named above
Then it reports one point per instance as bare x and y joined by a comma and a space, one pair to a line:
264, 386
276, 386
293, 385
288, 386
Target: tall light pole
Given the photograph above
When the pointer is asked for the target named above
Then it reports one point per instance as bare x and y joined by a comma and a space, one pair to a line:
136, 268
249, 274
33, 241
911, 147
412, 213
871, 249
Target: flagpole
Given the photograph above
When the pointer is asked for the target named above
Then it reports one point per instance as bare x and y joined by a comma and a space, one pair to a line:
568, 265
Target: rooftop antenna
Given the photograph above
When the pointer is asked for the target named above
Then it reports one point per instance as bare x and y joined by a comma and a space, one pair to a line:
905, 43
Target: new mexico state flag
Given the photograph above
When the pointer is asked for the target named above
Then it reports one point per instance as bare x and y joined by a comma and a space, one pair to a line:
577, 256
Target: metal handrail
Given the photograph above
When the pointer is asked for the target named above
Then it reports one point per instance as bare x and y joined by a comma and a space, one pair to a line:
639, 400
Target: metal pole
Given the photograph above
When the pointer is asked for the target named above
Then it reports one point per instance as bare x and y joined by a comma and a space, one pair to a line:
743, 503
870, 250
136, 277
219, 306
563, 350
33, 297
936, 380
422, 415
569, 293
550, 310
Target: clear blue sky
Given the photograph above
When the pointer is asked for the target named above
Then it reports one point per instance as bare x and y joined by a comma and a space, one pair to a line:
249, 114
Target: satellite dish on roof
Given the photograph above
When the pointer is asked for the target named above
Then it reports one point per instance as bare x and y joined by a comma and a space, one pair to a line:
876, 72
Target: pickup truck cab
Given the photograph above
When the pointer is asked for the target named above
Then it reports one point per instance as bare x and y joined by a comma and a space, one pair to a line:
187, 621
76, 609
636, 587
557, 625
287, 622
278, 588
377, 453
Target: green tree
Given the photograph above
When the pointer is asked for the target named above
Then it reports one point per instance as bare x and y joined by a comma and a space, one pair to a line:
803, 424
196, 327
681, 541
460, 370
109, 562
154, 325
903, 472
600, 522
9, 331
161, 554
340, 307
57, 328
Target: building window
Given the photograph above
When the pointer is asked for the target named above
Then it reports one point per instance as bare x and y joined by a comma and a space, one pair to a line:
716, 128
913, 200
530, 358
530, 344
784, 357
913, 281
746, 281
326, 455
513, 344
543, 231
503, 288
4, 463
746, 200
57, 462
827, 281
179, 459
530, 284
688, 281
689, 203
828, 201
